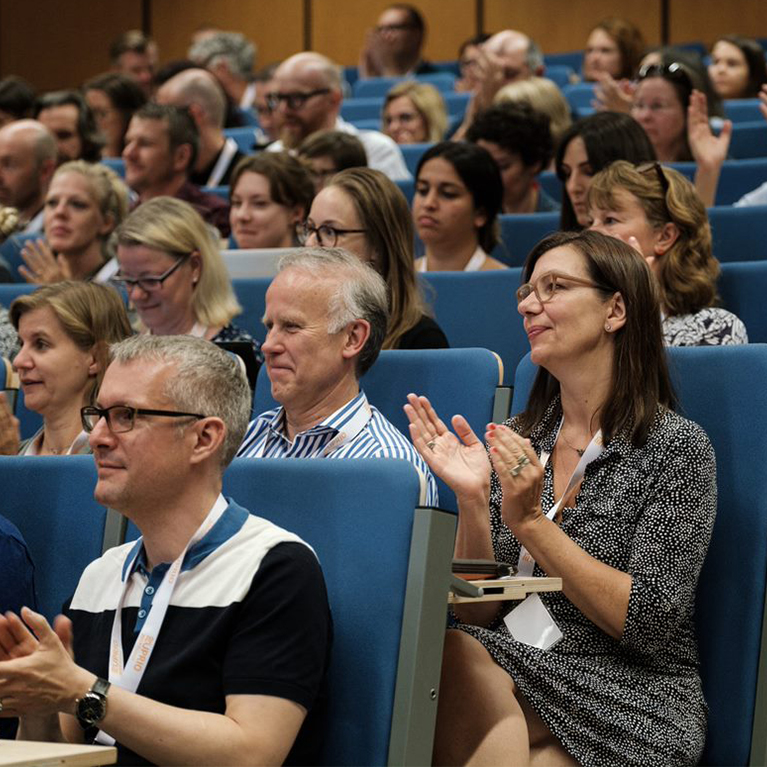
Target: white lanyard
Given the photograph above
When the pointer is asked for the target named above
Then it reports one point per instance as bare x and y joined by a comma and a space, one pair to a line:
222, 163
129, 677
526, 562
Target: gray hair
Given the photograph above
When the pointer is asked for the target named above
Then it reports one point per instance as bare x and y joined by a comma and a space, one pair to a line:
360, 294
233, 48
208, 380
534, 58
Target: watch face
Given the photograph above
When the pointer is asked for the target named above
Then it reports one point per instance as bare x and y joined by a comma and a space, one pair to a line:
91, 708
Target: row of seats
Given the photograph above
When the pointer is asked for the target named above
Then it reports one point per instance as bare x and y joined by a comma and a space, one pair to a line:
386, 562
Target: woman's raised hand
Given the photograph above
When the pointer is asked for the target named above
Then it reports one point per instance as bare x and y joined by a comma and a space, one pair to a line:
612, 95
9, 430
458, 459
42, 264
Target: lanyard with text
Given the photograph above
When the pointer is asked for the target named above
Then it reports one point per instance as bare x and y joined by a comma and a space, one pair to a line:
129, 676
595, 447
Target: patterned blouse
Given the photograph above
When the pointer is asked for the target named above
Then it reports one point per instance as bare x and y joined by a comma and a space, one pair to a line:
708, 327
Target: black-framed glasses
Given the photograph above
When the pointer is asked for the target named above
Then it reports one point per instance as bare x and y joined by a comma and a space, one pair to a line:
545, 287
327, 236
121, 418
293, 101
149, 284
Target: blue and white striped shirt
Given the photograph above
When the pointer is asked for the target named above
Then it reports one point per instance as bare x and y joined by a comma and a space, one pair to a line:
356, 430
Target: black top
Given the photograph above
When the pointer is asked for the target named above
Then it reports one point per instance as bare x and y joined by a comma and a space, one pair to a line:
201, 177
425, 334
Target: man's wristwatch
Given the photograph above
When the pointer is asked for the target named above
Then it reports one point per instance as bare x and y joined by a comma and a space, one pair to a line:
92, 707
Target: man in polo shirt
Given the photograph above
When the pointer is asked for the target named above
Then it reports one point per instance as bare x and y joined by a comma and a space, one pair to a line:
213, 629
326, 317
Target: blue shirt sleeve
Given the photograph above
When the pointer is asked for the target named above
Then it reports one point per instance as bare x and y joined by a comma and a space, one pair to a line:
17, 572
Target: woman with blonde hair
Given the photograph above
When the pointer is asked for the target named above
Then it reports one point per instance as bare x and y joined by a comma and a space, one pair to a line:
65, 331
364, 212
172, 270
658, 209
414, 113
84, 205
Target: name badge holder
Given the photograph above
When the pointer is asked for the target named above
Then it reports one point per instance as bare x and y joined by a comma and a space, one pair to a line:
530, 622
129, 676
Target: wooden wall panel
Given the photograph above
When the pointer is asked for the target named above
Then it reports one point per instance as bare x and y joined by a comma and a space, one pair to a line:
563, 25
693, 20
276, 27
339, 26
60, 43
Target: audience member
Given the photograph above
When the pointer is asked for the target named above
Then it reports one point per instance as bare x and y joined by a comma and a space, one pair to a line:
230, 58
614, 47
414, 113
85, 203
393, 48
659, 211
737, 69
588, 146
9, 339
173, 273
543, 96
458, 196
328, 152
270, 194
27, 162
17, 99
65, 331
468, 63
113, 99
326, 319
599, 482
365, 213
197, 91
238, 674
134, 55
69, 118
519, 141
160, 152
306, 97
267, 130
17, 571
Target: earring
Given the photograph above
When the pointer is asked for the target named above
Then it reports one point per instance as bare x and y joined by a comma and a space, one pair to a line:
608, 327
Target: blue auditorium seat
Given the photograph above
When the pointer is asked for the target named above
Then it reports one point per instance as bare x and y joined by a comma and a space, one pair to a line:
362, 109
749, 139
722, 389
520, 232
739, 234
380, 86
560, 74
742, 288
413, 153
579, 96
572, 59
408, 189
742, 110
10, 252
252, 297
245, 137
117, 164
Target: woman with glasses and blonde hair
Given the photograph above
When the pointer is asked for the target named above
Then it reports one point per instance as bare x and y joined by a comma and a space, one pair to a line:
599, 482
84, 204
364, 212
659, 212
173, 273
65, 331
414, 113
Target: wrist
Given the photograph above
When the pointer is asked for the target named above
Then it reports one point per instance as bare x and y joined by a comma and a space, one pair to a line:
527, 526
82, 683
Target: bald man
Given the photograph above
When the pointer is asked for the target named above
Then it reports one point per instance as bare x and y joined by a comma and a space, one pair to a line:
198, 91
305, 96
27, 161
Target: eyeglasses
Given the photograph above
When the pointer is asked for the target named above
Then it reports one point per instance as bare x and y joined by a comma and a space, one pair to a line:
294, 101
327, 236
121, 418
149, 284
546, 286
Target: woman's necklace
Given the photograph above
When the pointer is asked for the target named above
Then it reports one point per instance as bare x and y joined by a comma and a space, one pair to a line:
572, 447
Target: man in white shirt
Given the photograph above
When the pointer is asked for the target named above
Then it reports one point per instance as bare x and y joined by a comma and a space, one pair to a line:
306, 96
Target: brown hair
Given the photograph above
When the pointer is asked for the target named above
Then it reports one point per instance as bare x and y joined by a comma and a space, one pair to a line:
640, 378
629, 40
92, 315
687, 272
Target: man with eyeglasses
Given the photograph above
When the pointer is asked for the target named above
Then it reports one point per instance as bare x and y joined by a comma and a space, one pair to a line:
393, 47
305, 97
326, 318
207, 640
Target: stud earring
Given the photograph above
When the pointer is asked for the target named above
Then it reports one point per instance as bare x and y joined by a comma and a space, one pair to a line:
608, 327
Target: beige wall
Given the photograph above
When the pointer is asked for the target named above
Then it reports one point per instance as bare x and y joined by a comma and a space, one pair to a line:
60, 43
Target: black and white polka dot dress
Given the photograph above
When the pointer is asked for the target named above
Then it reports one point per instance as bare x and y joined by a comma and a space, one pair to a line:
647, 511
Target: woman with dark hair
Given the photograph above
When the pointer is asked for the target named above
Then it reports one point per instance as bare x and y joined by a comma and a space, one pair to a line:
519, 140
113, 98
458, 195
364, 212
600, 483
614, 47
737, 69
588, 146
659, 208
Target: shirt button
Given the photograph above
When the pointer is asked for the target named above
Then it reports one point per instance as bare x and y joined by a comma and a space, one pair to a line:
149, 590
142, 613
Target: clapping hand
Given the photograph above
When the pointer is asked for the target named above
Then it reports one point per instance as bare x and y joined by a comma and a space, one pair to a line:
613, 95
42, 264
